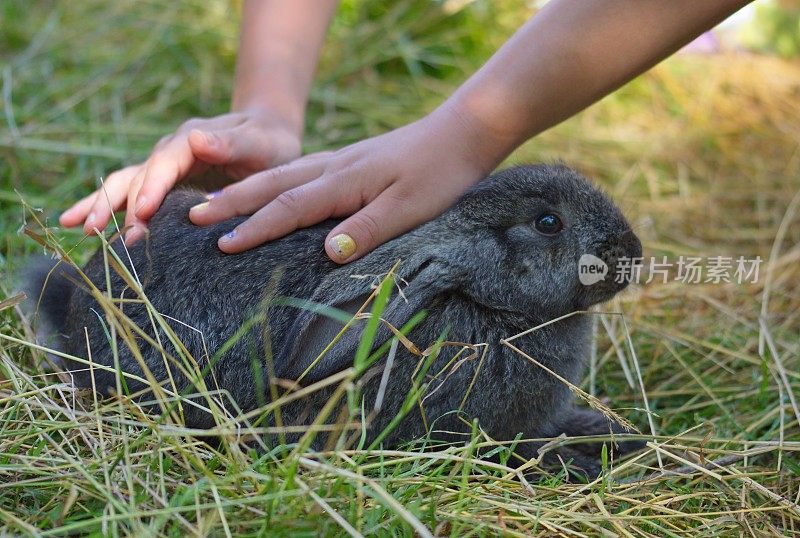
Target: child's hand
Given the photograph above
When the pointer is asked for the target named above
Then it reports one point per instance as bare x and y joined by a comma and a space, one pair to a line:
234, 145
389, 184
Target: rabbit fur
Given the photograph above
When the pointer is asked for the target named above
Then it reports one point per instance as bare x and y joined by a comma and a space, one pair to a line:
481, 271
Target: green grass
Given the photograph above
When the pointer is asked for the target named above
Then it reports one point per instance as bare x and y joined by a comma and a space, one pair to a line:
702, 153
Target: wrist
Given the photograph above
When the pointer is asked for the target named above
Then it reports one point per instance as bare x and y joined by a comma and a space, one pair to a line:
482, 142
271, 94
272, 115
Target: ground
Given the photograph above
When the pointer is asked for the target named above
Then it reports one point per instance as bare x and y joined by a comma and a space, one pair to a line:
703, 153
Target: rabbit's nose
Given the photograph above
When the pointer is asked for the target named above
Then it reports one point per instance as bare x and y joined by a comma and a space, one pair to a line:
627, 249
626, 246
632, 245
611, 255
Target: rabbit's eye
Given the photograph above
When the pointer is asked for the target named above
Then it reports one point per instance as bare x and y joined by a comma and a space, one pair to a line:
548, 224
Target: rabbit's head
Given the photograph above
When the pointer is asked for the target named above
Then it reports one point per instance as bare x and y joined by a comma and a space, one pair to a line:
515, 243
537, 240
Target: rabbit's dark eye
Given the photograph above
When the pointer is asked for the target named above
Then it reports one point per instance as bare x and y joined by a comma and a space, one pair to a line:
548, 224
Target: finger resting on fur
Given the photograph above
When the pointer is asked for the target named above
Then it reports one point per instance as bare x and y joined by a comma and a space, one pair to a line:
134, 225
110, 197
161, 172
300, 207
376, 223
253, 193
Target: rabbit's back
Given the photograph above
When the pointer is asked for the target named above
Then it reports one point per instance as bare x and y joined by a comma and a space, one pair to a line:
205, 296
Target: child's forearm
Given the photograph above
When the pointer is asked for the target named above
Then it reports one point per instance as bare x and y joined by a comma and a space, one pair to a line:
568, 56
280, 44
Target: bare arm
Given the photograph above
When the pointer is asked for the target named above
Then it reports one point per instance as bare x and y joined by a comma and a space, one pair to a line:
571, 54
279, 47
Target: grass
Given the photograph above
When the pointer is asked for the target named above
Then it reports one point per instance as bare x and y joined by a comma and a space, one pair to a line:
702, 152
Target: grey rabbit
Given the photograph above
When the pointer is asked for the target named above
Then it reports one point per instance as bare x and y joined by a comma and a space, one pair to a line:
501, 260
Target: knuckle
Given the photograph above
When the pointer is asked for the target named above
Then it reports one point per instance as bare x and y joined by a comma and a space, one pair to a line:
238, 118
400, 197
365, 225
224, 144
346, 181
275, 172
192, 123
271, 177
163, 141
290, 200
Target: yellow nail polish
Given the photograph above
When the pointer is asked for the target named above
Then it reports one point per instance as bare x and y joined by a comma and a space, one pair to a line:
200, 207
342, 245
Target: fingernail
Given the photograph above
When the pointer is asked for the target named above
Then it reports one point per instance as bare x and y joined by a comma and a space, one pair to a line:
342, 245
199, 207
212, 195
140, 203
88, 225
228, 237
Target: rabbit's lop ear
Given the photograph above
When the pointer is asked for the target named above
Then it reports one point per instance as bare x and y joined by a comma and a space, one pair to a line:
315, 329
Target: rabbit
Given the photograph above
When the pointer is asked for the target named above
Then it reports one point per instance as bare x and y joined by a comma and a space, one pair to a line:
502, 259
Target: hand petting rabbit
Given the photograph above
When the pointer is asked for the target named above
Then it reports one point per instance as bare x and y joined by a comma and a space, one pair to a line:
503, 259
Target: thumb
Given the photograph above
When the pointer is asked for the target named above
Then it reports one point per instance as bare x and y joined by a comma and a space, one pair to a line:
234, 146
376, 223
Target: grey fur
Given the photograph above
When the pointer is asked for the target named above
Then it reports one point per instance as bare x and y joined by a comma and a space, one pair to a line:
481, 271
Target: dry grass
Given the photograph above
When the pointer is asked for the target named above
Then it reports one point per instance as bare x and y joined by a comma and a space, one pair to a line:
703, 154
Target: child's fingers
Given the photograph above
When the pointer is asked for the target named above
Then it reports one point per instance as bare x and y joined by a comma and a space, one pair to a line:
300, 207
382, 219
109, 197
162, 171
251, 194
83, 208
206, 145
240, 144
134, 225
76, 214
